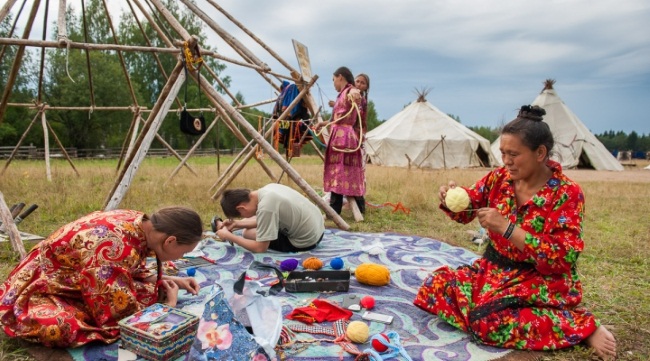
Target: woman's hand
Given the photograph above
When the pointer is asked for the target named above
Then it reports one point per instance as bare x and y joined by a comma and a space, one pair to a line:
492, 219
188, 284
442, 193
171, 288
354, 96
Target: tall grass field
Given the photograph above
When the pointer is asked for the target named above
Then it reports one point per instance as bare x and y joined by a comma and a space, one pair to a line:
614, 266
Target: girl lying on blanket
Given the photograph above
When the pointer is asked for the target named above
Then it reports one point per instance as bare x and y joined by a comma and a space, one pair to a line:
73, 287
524, 293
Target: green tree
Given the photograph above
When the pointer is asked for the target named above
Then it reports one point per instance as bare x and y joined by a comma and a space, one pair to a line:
454, 117
17, 119
632, 141
152, 70
69, 84
371, 116
486, 132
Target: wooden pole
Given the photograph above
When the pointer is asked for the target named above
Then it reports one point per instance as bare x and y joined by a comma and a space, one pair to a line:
10, 228
191, 151
17, 62
228, 179
352, 202
46, 145
232, 164
5, 9
224, 87
172, 151
20, 141
249, 33
444, 160
58, 142
268, 148
229, 39
62, 31
160, 109
130, 138
282, 116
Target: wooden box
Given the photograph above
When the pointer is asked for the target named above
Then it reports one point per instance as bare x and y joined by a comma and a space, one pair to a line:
159, 332
317, 281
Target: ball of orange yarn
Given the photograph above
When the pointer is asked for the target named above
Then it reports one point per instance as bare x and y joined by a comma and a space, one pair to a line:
372, 274
312, 263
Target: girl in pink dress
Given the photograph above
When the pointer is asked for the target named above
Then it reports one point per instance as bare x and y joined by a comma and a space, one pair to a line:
343, 174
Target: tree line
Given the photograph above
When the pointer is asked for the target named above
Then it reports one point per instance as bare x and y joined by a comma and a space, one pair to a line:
76, 77
613, 141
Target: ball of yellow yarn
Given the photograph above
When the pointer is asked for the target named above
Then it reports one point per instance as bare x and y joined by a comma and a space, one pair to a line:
457, 199
312, 263
357, 332
372, 274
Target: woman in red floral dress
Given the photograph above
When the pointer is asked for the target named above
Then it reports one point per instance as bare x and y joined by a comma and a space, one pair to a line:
524, 293
73, 287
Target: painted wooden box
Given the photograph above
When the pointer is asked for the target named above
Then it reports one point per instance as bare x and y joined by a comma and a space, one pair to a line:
159, 332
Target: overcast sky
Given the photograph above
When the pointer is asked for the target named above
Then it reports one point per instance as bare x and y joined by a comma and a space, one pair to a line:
480, 59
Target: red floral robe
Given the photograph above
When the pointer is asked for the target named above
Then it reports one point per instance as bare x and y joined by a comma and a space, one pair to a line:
531, 302
74, 286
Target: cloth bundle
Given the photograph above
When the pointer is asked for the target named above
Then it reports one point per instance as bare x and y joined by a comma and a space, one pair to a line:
319, 311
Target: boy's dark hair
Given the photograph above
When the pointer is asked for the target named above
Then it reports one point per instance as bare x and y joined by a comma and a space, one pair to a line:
231, 199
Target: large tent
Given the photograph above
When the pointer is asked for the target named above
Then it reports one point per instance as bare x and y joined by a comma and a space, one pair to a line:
575, 146
421, 135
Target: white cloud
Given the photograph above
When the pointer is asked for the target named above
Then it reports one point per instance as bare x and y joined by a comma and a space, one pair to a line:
482, 58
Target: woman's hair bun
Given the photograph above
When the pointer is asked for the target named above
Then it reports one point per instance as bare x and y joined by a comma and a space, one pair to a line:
531, 112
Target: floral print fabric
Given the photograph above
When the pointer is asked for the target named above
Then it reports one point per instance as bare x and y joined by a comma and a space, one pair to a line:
535, 307
74, 286
343, 159
222, 337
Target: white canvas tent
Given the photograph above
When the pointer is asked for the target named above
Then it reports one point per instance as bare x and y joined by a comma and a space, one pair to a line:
423, 136
575, 146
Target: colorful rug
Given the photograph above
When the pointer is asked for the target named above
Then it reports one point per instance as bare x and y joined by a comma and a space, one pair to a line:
409, 258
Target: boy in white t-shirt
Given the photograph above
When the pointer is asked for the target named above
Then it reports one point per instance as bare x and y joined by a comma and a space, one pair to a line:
273, 217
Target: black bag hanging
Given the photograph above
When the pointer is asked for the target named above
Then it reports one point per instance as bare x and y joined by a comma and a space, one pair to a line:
190, 124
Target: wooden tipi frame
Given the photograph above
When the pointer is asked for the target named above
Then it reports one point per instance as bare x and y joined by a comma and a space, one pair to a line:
139, 142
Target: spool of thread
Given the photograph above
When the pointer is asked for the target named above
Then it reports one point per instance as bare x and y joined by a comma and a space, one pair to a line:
377, 344
372, 274
312, 263
357, 332
336, 263
191, 271
367, 302
289, 265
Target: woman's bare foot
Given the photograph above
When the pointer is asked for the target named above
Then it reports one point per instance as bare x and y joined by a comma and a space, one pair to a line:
603, 343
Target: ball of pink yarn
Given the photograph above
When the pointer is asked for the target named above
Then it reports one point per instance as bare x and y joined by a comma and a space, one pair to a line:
367, 302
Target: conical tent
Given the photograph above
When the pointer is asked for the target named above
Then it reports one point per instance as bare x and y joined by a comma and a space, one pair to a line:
423, 136
575, 146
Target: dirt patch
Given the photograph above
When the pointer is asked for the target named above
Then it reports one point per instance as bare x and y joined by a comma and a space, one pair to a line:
633, 173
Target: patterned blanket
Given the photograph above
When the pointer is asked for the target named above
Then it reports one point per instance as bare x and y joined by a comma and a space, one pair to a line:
409, 258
